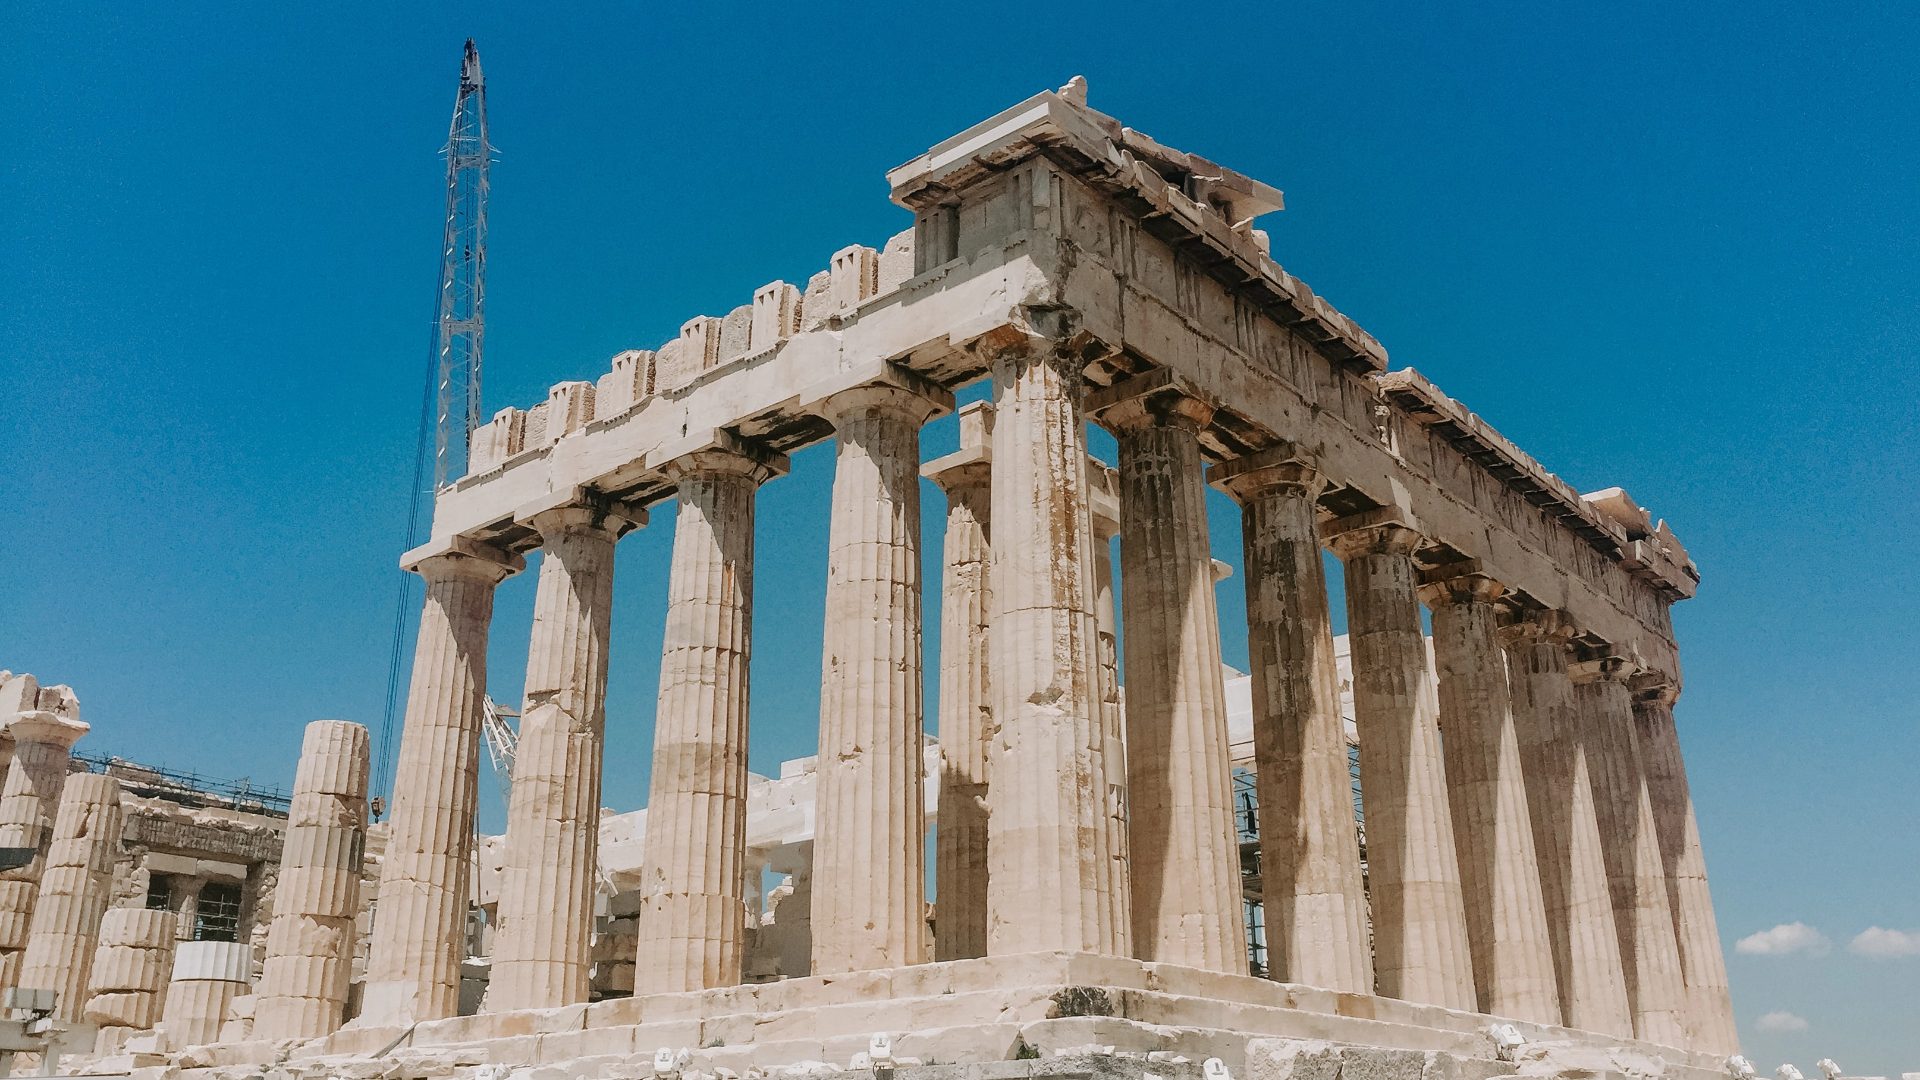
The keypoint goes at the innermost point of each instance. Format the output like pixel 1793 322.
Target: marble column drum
pixel 1710 1011
pixel 74 891
pixel 1636 878
pixel 965 710
pixel 30 799
pixel 1499 872
pixel 1052 862
pixel 1566 830
pixel 1185 855
pixel 1413 871
pixel 127 983
pixel 311 939
pixel 1315 898
pixel 419 928
pixel 542 943
pixel 692 924
pixel 869 848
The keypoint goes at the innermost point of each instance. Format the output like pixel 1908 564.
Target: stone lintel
pixel 463 546
pixel 1282 464
pixel 976 425
pixel 966 465
pixel 976 447
pixel 875 373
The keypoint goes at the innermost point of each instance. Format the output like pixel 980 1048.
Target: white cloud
pixel 1780 1020
pixel 1784 939
pixel 1878 941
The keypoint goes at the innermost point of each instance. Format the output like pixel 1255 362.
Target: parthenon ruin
pixel 1530 853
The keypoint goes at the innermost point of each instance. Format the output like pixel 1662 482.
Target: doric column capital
pixel 1279 469
pixel 585 512
pixel 460 557
pixel 717 452
pixel 1593 669
pixel 1654 688
pixel 1536 626
pixel 46 727
pixel 879 388
pixel 1463 589
pixel 1157 399
pixel 1460 582
pixel 965 470
pixel 1379 531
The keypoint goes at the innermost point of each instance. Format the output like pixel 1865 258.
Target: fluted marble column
pixel 74 892
pixel 1420 950
pixel 869 849
pixel 1499 872
pixel 542 946
pixel 692 923
pixel 310 942
pixel 1103 511
pixel 1052 863
pixel 1636 879
pixel 419 926
pixel 1566 830
pixel 30 799
pixel 1184 852
pixel 1710 1011
pixel 1316 904
pixel 966 711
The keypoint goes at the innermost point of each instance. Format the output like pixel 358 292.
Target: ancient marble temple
pixel 1531 852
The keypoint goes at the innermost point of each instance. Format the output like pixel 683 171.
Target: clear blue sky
pixel 1667 247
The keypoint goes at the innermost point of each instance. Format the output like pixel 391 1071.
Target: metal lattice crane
pixel 463 276
pixel 451 408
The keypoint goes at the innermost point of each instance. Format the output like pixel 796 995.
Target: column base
pixel 1042 1006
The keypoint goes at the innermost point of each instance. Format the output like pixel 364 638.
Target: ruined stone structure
pixel 41 726
pixel 1531 853
pixel 1530 849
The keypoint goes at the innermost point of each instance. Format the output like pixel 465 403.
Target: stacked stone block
pixel 310 943
pixel 132 965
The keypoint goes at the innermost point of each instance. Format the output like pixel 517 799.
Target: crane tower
pixel 451 409
pixel 463 276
